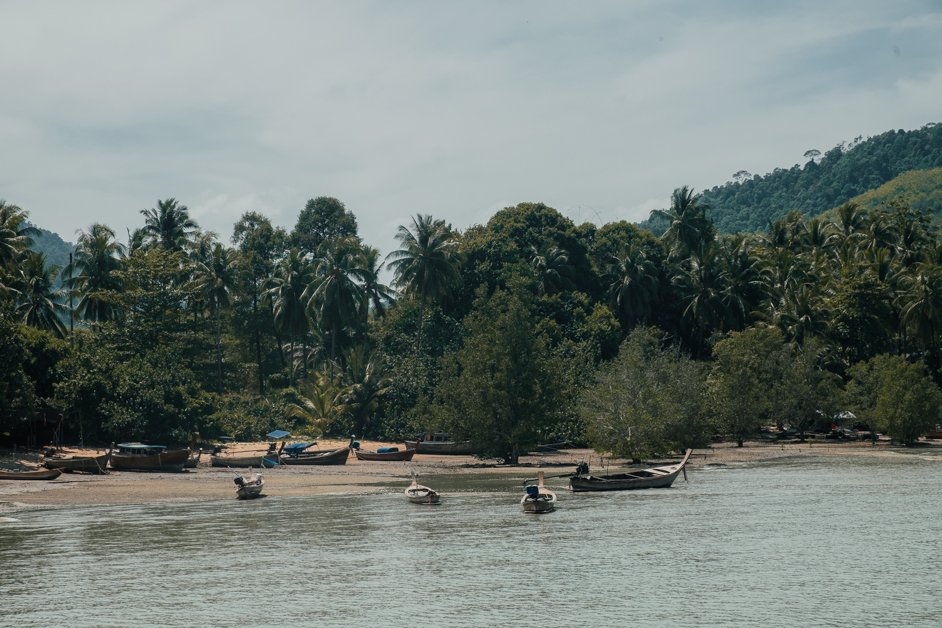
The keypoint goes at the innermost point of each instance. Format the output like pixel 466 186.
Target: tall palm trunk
pixel 218 351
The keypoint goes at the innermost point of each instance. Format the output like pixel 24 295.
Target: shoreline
pixel 206 483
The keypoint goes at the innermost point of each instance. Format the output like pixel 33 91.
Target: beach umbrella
pixel 276 434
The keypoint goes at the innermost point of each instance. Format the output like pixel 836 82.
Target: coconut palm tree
pixel 366 386
pixel 426 265
pixel 15 238
pixel 690 230
pixel 168 225
pixel 921 304
pixel 214 280
pixel 333 291
pixel 292 276
pixel 94 272
pixel 40 302
pixel 552 268
pixel 319 402
pixel 376 294
pixel 632 285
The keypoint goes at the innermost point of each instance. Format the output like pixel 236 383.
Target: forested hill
pixel 824 182
pixel 920 190
pixel 54 247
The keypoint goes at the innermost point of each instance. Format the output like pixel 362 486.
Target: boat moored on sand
pixel 141 457
pixel 40 474
pixel 249 489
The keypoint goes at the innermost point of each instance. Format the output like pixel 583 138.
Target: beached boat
pixel 653 477
pixel 141 457
pixel 41 474
pixel 84 464
pixel 418 494
pixel 385 454
pixel 440 443
pixel 335 456
pixel 194 460
pixel 267 461
pixel 538 499
pixel 249 489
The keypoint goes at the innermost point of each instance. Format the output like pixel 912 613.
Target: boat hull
pixel 249 491
pixel 167 461
pixel 44 474
pixel 390 456
pixel 337 456
pixel 244 462
pixel 446 448
pixel 84 464
pixel 654 477
pixel 418 494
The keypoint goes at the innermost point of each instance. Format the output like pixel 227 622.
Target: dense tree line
pixel 751 203
pixel 526 329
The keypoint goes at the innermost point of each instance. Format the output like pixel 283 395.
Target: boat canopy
pixel 295 448
pixel 140 447
pixel 278 434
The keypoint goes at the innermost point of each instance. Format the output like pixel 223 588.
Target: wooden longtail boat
pixel 440 444
pixel 418 494
pixel 249 489
pixel 41 474
pixel 538 499
pixel 395 454
pixel 336 456
pixel 140 457
pixel 653 477
pixel 266 461
pixel 85 464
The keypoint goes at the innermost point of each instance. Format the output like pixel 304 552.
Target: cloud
pixel 454 110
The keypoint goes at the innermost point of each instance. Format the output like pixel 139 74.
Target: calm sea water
pixel 835 542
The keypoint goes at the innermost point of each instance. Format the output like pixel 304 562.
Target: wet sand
pixel 209 483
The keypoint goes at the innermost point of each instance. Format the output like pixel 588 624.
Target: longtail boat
pixel 418 494
pixel 653 477
pixel 249 489
pixel 266 461
pixel 41 474
pixel 538 499
pixel 335 456
pixel 385 454
pixel 85 464
pixel 440 443
pixel 141 457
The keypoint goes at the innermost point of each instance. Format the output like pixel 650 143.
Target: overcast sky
pixel 598 109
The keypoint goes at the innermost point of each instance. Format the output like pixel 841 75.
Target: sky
pixel 599 109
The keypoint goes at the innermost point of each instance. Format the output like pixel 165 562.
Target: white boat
pixel 418 494
pixel 538 499
pixel 249 489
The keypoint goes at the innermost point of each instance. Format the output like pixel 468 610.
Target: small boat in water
pixel 440 443
pixel 249 489
pixel 654 477
pixel 418 494
pixel 538 499
pixel 41 474
pixel 141 457
pixel 84 464
pixel 385 454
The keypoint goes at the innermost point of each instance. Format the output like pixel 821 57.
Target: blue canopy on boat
pixel 294 448
pixel 278 434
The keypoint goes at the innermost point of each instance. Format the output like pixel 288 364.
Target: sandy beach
pixel 209 483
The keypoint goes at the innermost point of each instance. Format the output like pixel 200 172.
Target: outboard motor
pixel 239 480
pixel 533 491
pixel 582 469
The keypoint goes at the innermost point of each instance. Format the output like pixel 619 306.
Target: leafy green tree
pixel 292 277
pixel 98 256
pixel 502 389
pixel 15 238
pixel 895 396
pixel 690 230
pixel 214 280
pixel 168 225
pixel 367 384
pixel 319 403
pixel 333 291
pixel 633 285
pixel 650 400
pixel 17 396
pixel 921 306
pixel 323 219
pixel 552 270
pixel 426 265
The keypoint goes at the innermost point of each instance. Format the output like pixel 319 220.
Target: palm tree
pixel 745 282
pixel 168 225
pixel 632 285
pixel 426 265
pixel 40 303
pixel 921 304
pixel 292 276
pixel 320 402
pixel 377 294
pixel 15 238
pixel 333 291
pixel 367 385
pixel 93 272
pixel 690 230
pixel 700 284
pixel 552 268
pixel 214 280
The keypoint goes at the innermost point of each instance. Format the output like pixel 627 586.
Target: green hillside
pixel 920 190
pixel 826 180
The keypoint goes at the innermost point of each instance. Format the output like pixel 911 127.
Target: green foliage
pixel 323 219
pixel 502 389
pixel 895 396
pixel 249 418
pixel 17 394
pixel 650 400
pixel 920 190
